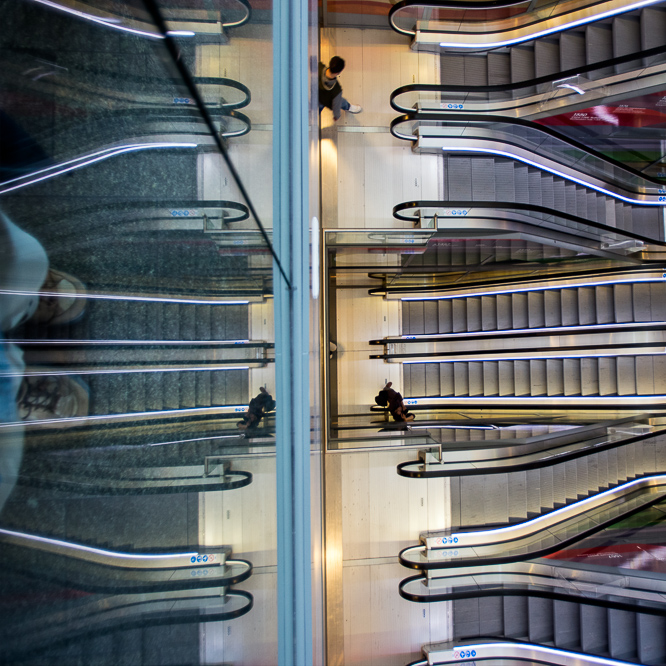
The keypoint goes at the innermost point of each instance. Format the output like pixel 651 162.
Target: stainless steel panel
pixel 621 634
pixel 519 312
pixel 589 376
pixel 504 310
pixel 417 383
pixel 489 313
pixel 587 313
pixel 569 299
pixel 644 375
pixel 559 485
pixel 659 365
pixel 535 308
pixel 552 306
pixel 506 376
pixel 461 377
pixel 490 378
pixel 445 316
pixel 473 314
pixel 538 377
pixel 416 317
pixel 603 298
pixel 658 301
pixel 521 377
pixel 594 629
pixel 641 298
pixel 626 375
pixel 607 376
pixel 432 386
pixel 540 614
pixel 566 624
pixel 459 315
pixel 622 301
pixel 572 376
pixel 430 317
pixel 446 378
pixel 571 481
pixel 572 50
pixel 475 378
pixel 554 376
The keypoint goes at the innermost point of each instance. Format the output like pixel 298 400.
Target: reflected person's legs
pixel 23 268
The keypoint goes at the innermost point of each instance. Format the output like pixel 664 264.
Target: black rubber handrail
pixel 517 85
pixel 508 205
pixel 520 467
pixel 463 5
pixel 505 281
pixel 470 5
pixel 523 333
pixel 636 607
pixel 463 118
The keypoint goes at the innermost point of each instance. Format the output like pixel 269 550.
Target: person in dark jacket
pixel 330 90
pixel 259 406
pixel 390 398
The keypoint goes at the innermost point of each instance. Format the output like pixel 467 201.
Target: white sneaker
pixel 355 108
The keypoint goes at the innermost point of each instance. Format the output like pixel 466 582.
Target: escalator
pixel 603 596
pixel 120 458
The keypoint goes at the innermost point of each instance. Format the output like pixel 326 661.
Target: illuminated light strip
pixel 119 371
pixel 112 297
pixel 99 551
pixel 550 31
pixel 564 399
pixel 530 289
pixel 531 647
pixel 181 33
pixel 453 427
pixel 126 342
pixel 196 439
pixel 512 331
pixel 556 357
pixel 108 23
pixel 575 509
pixel 87 160
pixel 220 409
pixel 576 89
pixel 598 188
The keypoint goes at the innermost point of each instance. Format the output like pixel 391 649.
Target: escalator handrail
pixel 522 122
pixel 517 85
pixel 470 5
pixel 508 205
pixel 136 560
pixel 505 559
pixel 639 606
pixel 465 5
pixel 520 467
pixel 507 281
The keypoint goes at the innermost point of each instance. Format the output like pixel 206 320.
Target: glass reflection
pixel 136 315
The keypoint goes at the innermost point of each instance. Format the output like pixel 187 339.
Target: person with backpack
pixel 390 398
pixel 260 405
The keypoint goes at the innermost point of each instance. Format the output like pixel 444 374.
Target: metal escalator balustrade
pixel 565 234
pixel 497 652
pixel 196 25
pixel 592 586
pixel 536 537
pixel 559 157
pixel 567 90
pixel 537 452
pixel 431 28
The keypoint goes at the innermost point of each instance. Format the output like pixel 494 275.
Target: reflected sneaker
pixel 62 299
pixel 355 108
pixel 52 397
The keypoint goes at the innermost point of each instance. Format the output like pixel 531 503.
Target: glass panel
pixel 137 446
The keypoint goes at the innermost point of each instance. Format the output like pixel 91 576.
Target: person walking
pixel 330 90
